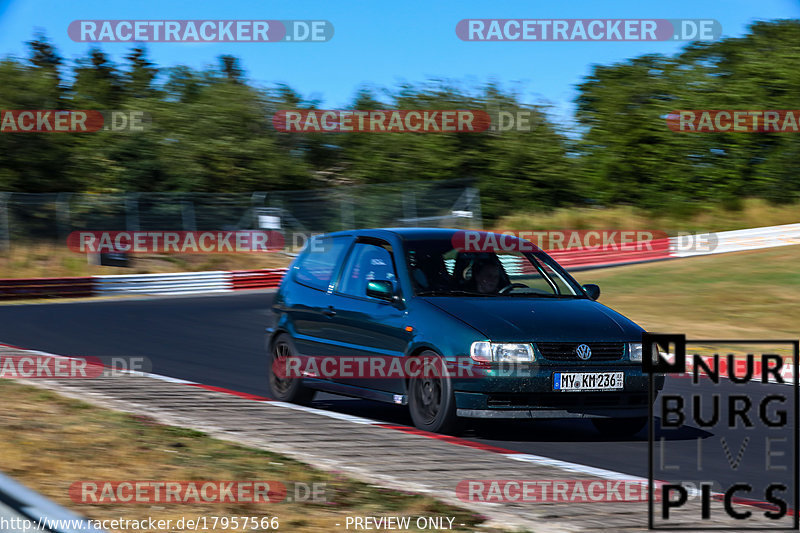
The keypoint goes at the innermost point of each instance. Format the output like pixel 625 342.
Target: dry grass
pixel 736 295
pixel 48 442
pixel 46 260
pixel 752 213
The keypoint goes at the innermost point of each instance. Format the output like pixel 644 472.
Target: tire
pixel 285 389
pixel 431 401
pixel 620 427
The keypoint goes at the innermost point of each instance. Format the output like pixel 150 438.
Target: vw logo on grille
pixel 583 351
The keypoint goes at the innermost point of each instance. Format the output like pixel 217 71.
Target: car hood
pixel 544 319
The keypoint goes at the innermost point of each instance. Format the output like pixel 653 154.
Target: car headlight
pixel 635 349
pixel 488 352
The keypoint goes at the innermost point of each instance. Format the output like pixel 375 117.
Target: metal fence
pixel 26 217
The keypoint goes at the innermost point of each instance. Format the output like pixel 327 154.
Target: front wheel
pixel 282 387
pixel 431 401
pixel 620 427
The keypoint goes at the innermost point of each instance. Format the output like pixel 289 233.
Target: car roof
pixel 404 233
pixel 421 233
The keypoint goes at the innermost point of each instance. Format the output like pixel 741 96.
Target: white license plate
pixel 588 381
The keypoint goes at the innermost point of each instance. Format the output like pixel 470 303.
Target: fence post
pixel 348 216
pixel 132 212
pixel 5 230
pixel 62 215
pixel 474 203
pixel 187 215
pixel 409 205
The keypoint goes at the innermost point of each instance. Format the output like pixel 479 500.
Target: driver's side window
pixel 367 262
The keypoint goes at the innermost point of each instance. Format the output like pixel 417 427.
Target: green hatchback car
pixel 422 317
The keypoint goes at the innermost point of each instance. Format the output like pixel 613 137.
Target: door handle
pixel 330 312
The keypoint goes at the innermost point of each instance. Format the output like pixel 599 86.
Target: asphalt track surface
pixel 219 340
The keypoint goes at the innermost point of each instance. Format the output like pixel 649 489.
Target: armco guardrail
pixel 742 240
pixel 177 283
pixel 45 287
pixel 173 283
pixel 223 281
pixel 578 259
pixel 257 279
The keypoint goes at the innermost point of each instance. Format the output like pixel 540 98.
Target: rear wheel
pixel 431 401
pixel 620 427
pixel 282 387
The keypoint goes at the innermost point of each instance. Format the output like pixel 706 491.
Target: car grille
pixel 565 351
pixel 561 400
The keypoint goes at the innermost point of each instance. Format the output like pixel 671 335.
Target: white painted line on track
pixel 573 467
pixel 329 414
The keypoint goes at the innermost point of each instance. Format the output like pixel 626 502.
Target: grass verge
pixel 49 442
pixel 749 213
pixel 735 295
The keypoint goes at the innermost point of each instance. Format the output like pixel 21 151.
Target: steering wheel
pixel 510 287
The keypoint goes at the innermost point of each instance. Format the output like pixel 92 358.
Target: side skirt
pixel 356 392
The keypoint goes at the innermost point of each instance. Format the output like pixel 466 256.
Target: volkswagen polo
pixel 516 335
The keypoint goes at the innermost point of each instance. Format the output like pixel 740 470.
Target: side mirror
pixel 592 290
pixel 381 289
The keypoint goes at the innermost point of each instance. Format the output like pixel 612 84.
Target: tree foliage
pixel 212 131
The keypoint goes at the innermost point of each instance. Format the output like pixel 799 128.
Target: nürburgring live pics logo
pixel 740 407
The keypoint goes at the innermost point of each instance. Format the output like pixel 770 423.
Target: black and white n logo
pixel 663 353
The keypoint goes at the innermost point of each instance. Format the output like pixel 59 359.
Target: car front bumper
pixel 532 396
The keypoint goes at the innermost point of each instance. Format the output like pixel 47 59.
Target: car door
pixel 309 303
pixel 366 326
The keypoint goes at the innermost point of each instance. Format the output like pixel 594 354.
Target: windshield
pixel 437 268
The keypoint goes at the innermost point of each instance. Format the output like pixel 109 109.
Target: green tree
pixel 139 78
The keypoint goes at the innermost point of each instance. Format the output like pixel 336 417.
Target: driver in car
pixel 487 276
